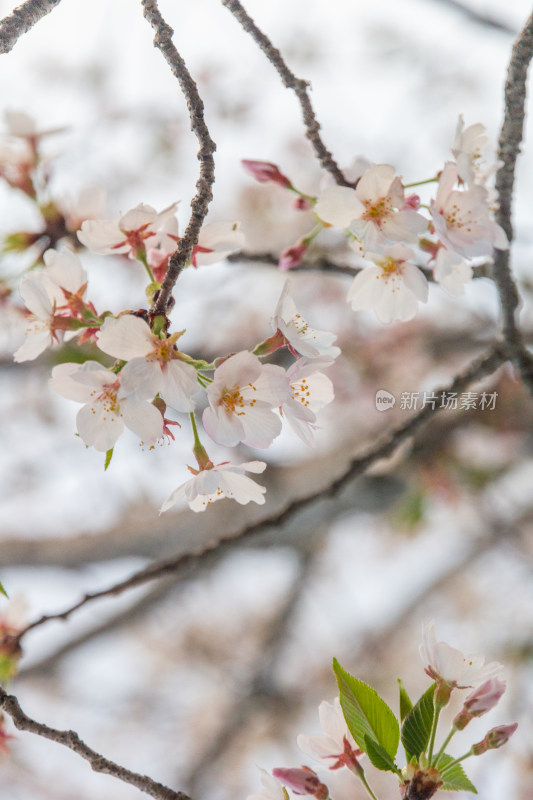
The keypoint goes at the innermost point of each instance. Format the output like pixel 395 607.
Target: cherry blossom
pixel 108 406
pixel 468 151
pixel 495 738
pixel 241 398
pixel 392 287
pixel 462 218
pixel 449 666
pixel 336 743
pixel 311 390
pixel 374 211
pixel 300 337
pixel 154 365
pixel 50 295
pixel 451 271
pixel 130 233
pixel 217 240
pixel 216 482
pixel 272 789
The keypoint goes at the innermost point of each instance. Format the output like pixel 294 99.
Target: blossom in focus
pixel 300 337
pixel 462 219
pixel 452 271
pixel 481 700
pixel 154 365
pixel 272 789
pixel 392 287
pixel 302 781
pixel 219 481
pixel 131 233
pixel 336 744
pixel 242 397
pixel 311 391
pixel 217 240
pixel 450 667
pixel 374 211
pixel 108 406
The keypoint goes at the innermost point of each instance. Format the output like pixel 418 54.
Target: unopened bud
pixel 266 172
pixel 483 699
pixel 495 738
pixel 292 256
pixel 412 201
pixel 302 781
pixel 301 204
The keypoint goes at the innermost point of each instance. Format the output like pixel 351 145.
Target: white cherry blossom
pixel 462 218
pixel 451 271
pixel 43 295
pixel 311 390
pixel 131 233
pixel 468 150
pixel 447 665
pixel 154 365
pixel 374 211
pixel 300 337
pixel 392 287
pixel 108 406
pixel 216 241
pixel 335 747
pixel 222 480
pixel 241 398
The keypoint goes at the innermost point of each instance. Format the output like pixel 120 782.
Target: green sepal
pixel 108 457
pixel 455 779
pixel 405 701
pixel 367 715
pixel 416 728
pixel 3 591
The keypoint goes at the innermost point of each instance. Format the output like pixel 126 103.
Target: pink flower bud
pixel 266 172
pixel 292 256
pixel 495 738
pixel 302 781
pixel 301 204
pixel 479 702
pixel 412 201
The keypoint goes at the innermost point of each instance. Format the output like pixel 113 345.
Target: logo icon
pixel 384 400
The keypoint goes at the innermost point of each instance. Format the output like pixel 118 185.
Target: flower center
pixel 108 398
pixel 378 210
pixel 390 268
pixel 300 391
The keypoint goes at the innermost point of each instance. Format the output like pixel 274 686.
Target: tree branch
pixel 204 194
pixel 98 763
pixel 475 16
pixel 21 20
pixel 290 81
pixel 480 368
pixel 509 147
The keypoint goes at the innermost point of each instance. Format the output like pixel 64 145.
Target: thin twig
pixel 204 193
pixel 511 136
pixel 482 18
pixel 383 449
pixel 98 762
pixel 290 81
pixel 21 20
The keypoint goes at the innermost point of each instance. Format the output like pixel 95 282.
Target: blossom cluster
pixel 400 241
pixel 359 727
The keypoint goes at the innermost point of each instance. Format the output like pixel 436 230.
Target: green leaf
pixel 416 728
pixel 3 591
pixel 379 756
pixel 455 778
pixel 405 701
pixel 366 714
pixel 108 457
